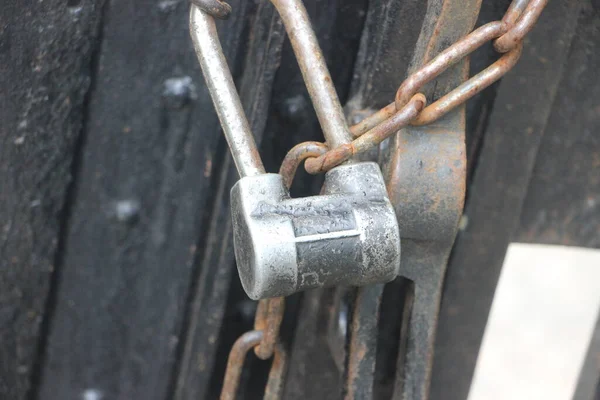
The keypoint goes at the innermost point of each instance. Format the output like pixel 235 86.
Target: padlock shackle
pixel 314 70
pixel 223 92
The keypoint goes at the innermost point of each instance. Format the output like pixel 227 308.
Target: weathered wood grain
pixel 46 53
pixel 140 206
pixel 563 199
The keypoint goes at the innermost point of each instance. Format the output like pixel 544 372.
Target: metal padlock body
pixel 348 235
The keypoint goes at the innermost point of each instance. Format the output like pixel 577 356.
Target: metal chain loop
pixel 235 363
pixel 268 320
pixel 409 105
pixel 371 138
pixel 264 339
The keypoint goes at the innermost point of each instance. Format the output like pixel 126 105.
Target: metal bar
pixel 314 70
pixel 425 177
pixel 215 8
pixel 224 95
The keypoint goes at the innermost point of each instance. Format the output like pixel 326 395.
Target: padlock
pixel 348 235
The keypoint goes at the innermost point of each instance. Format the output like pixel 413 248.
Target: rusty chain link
pixel 264 339
pixel 409 108
pixel 409 105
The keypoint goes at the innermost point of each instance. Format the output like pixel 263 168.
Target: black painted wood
pixel 495 197
pixel 140 207
pixel 388 42
pixel 563 200
pixel 46 53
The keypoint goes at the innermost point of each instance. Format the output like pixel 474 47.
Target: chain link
pixel 409 105
pixel 264 339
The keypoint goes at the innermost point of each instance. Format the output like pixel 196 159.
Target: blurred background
pixel 541 328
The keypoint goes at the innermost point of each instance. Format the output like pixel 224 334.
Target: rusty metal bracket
pixel 426 175
pixel 424 165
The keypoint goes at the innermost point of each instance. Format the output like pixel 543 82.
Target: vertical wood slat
pixel 139 210
pixel 563 201
pixel 46 56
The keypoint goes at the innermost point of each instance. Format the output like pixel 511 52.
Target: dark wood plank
pixel 140 207
pixel 388 44
pixel 495 197
pixel 563 202
pixel 46 52
pixel 313 373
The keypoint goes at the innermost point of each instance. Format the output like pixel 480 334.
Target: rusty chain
pixel 408 108
pixel 264 339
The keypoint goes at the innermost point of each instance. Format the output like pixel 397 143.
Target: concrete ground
pixel 541 323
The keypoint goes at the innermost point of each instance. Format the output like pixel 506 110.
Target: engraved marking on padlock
pixel 325 236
